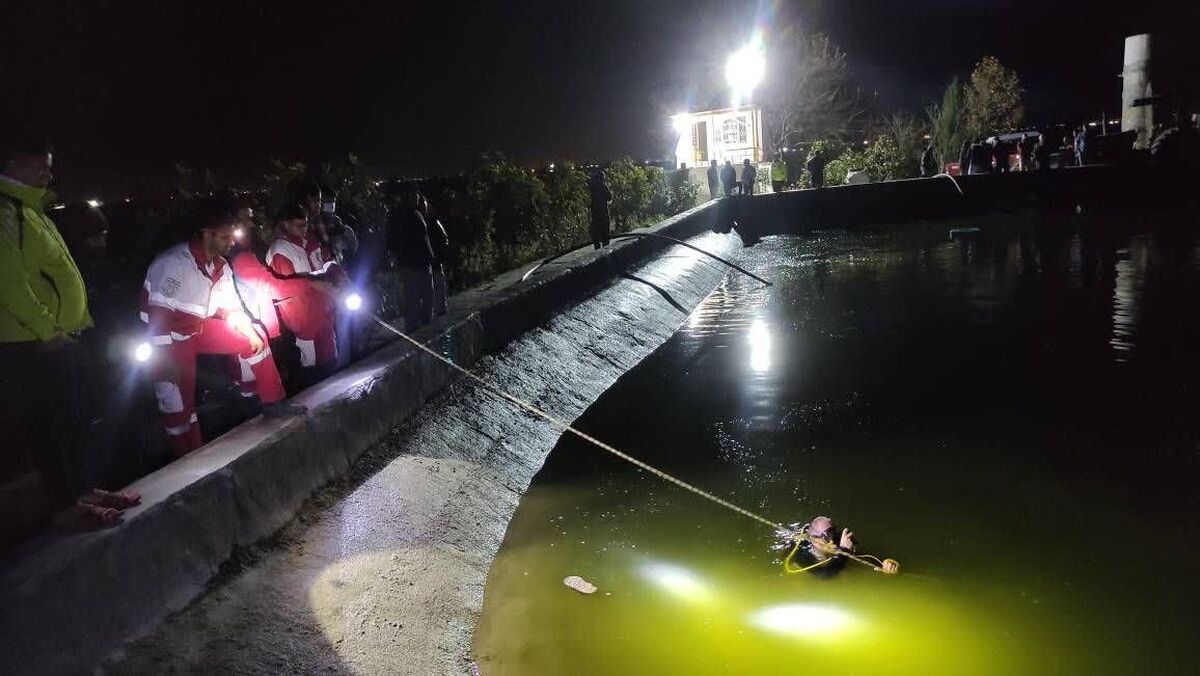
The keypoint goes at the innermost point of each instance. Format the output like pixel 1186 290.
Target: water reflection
pixel 805 620
pixel 1127 291
pixel 760 346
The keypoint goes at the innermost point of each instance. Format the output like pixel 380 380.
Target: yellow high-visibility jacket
pixel 41 291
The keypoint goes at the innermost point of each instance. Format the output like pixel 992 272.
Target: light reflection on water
pixel 974 408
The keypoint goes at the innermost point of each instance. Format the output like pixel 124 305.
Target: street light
pixel 745 69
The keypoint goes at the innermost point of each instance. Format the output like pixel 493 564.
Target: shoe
pixel 282 409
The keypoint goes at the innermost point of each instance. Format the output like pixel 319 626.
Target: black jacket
pixel 408 238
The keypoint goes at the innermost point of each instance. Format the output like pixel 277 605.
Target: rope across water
pixel 566 427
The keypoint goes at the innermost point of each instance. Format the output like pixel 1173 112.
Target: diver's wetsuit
pixel 804 557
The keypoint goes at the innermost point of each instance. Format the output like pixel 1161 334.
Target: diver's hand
pixel 847 542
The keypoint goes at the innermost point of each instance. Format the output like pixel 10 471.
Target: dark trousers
pixel 714 190
pixel 418 296
pixel 599 231
pixel 48 410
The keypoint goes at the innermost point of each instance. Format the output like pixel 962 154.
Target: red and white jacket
pixel 306 311
pixel 182 290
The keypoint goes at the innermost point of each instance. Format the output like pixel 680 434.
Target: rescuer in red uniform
pixel 307 307
pixel 191 307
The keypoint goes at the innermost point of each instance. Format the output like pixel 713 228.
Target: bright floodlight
pixel 354 302
pixel 682 123
pixel 142 352
pixel 744 70
pixel 238 233
pixel 95 204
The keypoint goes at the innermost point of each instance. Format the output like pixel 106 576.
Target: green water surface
pixel 1010 414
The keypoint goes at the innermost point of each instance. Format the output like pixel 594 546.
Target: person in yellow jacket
pixel 47 398
pixel 779 172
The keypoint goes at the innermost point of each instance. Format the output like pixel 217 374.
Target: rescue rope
pixel 566 427
pixel 832 551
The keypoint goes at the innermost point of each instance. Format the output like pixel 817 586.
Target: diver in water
pixel 817 548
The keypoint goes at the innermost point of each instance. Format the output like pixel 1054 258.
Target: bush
pixel 632 194
pixel 682 194
pixel 882 160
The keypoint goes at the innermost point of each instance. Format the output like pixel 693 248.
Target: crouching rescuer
pixel 191 307
pixel 308 281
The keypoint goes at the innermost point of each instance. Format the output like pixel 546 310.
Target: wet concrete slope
pixel 384 572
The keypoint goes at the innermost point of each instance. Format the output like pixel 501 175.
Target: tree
pixel 993 98
pixel 908 133
pixel 947 122
pixel 809 94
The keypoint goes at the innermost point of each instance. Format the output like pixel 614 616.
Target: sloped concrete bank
pixel 438 507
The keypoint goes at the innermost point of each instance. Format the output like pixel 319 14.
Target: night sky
pixel 130 88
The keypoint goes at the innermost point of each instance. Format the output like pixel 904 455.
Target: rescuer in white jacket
pixel 191 307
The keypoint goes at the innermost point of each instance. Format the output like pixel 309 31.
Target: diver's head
pixel 822 531
pixel 822 528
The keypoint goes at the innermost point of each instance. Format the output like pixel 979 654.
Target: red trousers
pixel 175 378
pixel 321 349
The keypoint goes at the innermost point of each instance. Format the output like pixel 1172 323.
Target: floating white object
pixel 579 584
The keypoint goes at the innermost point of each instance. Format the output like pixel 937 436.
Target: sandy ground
pixel 383 572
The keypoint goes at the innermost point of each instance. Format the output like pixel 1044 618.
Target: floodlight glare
pixel 354 302
pixel 745 69
pixel 682 123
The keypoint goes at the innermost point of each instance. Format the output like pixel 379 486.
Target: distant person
pixel 714 180
pixel 999 156
pixel 816 168
pixel 779 172
pixel 749 175
pixel 1025 153
pixel 728 178
pixel 1082 147
pixel 191 307
pixel 964 158
pixel 439 241
pixel 598 198
pixel 408 240
pixel 48 398
pixel 1041 153
pixel 320 206
pixel 1068 146
pixel 929 163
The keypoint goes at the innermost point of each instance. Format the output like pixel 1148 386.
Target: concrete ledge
pixel 68 600
pixel 873 204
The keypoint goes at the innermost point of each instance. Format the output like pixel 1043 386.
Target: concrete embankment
pixel 419 531
pixel 1138 187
